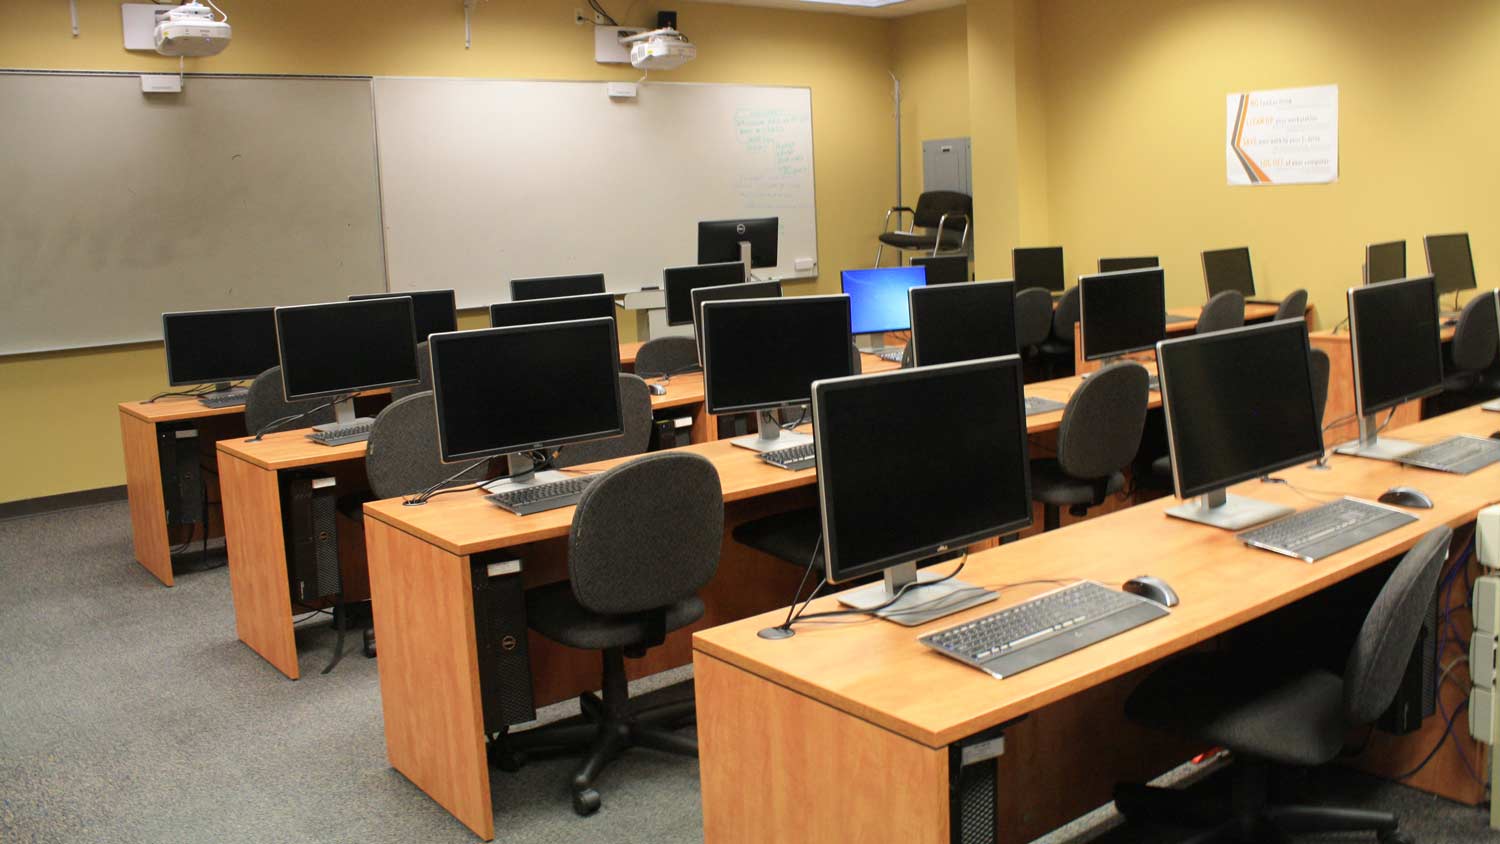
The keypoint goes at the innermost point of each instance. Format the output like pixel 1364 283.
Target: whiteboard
pixel 483 181
pixel 118 206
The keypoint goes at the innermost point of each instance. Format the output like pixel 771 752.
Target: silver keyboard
pixel 352 432
pixel 1326 530
pixel 794 458
pixel 1037 404
pixel 1459 455
pixel 537 498
pixel 225 398
pixel 892 355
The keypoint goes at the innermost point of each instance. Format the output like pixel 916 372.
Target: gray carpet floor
pixel 130 713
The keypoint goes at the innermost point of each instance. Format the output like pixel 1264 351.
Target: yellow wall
pixel 68 438
pixel 1135 128
pixel 929 53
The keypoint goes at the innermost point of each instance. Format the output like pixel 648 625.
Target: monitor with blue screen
pixel 877 298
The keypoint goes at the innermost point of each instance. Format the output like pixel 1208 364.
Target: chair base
pixel 1246 813
pixel 608 728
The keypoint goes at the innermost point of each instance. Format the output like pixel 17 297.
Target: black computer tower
pixel 500 634
pixel 181 473
pixel 973 816
pixel 1416 698
pixel 309 510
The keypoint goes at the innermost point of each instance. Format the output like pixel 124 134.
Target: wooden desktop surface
pixel 176 409
pixel 878 671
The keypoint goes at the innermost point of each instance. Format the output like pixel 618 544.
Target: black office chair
pixel 1224 310
pixel 1100 434
pixel 635 406
pixel 266 403
pixel 1293 306
pixel 1057 349
pixel 645 539
pixel 1472 350
pixel 1033 311
pixel 940 212
pixel 424 375
pixel 666 356
pixel 1282 715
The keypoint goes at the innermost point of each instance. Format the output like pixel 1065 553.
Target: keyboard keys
pixel 1459 455
pixel 1322 531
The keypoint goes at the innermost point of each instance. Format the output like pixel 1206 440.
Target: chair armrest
pixel 886 226
pixel 942 221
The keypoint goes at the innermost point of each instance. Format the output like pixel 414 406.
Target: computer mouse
pixel 657 389
pixel 1152 589
pixel 1405 496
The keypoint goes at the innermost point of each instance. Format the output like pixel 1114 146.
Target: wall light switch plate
pixel 607 46
pixel 804 264
pixel 161 83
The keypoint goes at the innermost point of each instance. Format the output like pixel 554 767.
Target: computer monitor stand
pixel 343 416
pixel 769 435
pixel 1230 512
pixel 521 473
pixel 745 258
pixel 1371 445
pixel 920 604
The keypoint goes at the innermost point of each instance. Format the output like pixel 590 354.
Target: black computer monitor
pixel 434 311
pixel 552 287
pixel 944 269
pixel 748 290
pixel 525 388
pixel 869 429
pixel 219 347
pixel 1114 265
pixel 1385 261
pixel 1450 262
pixel 1228 269
pixel 1038 266
pixel 1397 349
pixel 763 354
pixel 877 297
pixel 679 283
pixel 723 241
pixel 560 309
pixel 1238 405
pixel 1121 312
pixel 952 323
pixel 339 348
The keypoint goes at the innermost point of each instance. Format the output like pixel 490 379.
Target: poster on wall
pixel 1284 137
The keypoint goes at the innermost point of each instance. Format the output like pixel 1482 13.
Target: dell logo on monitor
pixel 739 228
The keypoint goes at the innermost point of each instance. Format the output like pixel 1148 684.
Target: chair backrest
pixel 1103 421
pixel 635 406
pixel 932 205
pixel 424 375
pixel 664 355
pixel 647 533
pixel 1065 315
pixel 1033 317
pixel 1386 639
pixel 267 402
pixel 1318 359
pixel 1225 309
pixel 1476 337
pixel 1293 306
pixel 402 456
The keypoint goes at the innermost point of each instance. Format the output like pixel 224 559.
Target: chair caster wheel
pixel 1395 837
pixel 369 644
pixel 507 760
pixel 586 802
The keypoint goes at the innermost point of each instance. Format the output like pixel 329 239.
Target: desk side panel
pixel 778 766
pixel 429 677
pixel 257 561
pixel 148 513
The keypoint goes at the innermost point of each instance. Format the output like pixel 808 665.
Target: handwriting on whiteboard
pixel 778 141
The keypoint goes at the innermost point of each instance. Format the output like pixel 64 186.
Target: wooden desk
pixel 419 564
pixel 140 424
pixel 779 720
pixel 1341 387
pixel 1253 313
pixel 628 351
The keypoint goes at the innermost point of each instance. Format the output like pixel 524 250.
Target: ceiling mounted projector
pixel 660 49
pixel 190 30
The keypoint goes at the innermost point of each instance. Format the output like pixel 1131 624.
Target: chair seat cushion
pixel 1161 468
pixel 1290 718
pixel 1052 346
pixel 554 612
pixel 1051 485
pixel 916 240
pixel 789 536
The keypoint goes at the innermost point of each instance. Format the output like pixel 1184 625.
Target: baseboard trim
pixel 56 503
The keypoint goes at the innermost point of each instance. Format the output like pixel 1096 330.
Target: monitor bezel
pixel 709 403
pixel 1360 408
pixel 1062 267
pixel 527 281
pixel 844 290
pixel 614 306
pixel 1083 331
pixel 1404 258
pixel 174 381
pixel 1219 337
pixel 281 349
pixel 1469 244
pixel 438 340
pixel 911 308
pixel 1208 287
pixel 698 304
pixel 767 228
pixel 831 569
pixel 452 297
pixel 667 277
pixel 925 261
pixel 1155 259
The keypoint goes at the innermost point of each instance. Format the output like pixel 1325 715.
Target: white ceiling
pixel 893 10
